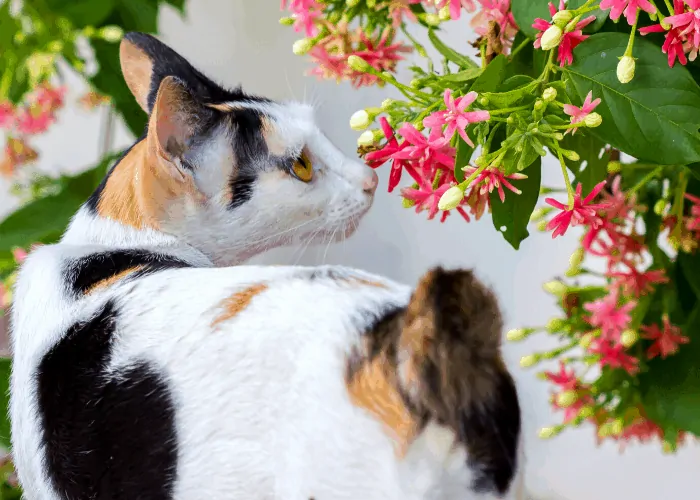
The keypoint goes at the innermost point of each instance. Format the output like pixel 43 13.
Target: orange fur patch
pixel 112 279
pixel 373 389
pixel 238 302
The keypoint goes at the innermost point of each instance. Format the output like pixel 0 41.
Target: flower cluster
pixel 470 136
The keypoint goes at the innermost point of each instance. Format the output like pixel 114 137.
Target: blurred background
pixel 242 42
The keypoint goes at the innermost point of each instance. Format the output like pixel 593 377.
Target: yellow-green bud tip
pixel 111 33
pixel 593 120
pixel 629 337
pixel 549 94
pixel 360 120
pixel 302 46
pixel 366 138
pixel 451 198
pixel 562 17
pixel 555 288
pixel 555 325
pixel 529 360
pixel 548 432
pixel 566 398
pixel 517 334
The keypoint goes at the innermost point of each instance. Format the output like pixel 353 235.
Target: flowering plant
pixel 610 90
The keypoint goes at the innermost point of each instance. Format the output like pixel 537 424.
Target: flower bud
pixel 660 207
pixel 518 334
pixel 555 325
pixel 432 19
pixel 562 17
pixel 625 69
pixel 444 13
pixel 593 120
pixel 387 104
pixel 571 155
pixel 555 288
pixel 629 337
pixel 577 257
pixel 302 46
pixel 668 447
pixel 351 3
pixel 451 198
pixel 549 432
pixel 371 3
pixel 360 120
pixel 416 83
pixel 89 31
pixel 585 412
pixel 484 101
pixel 530 360
pixel 551 37
pixel 358 64
pixel 542 226
pixel 366 138
pixel 566 398
pixel 538 214
pixel 539 105
pixel 287 21
pixel 559 136
pixel 549 94
pixel 111 33
pixel 614 167
pixel 587 340
pixel 406 203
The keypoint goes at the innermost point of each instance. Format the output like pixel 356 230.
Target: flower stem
pixel 547 68
pixel 519 48
pixel 669 6
pixel 645 180
pixel 507 110
pixel 419 48
pixel 678 203
pixel 630 43
pixel 567 181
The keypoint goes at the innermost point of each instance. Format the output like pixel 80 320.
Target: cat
pixel 149 364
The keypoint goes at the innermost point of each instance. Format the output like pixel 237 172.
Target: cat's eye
pixel 302 168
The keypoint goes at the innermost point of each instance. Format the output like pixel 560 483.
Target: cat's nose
pixel 369 184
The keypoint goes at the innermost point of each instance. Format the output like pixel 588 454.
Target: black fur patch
pixel 167 62
pixel 491 435
pixel 84 273
pixel 105 437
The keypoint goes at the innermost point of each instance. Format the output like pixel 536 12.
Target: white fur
pixel 262 409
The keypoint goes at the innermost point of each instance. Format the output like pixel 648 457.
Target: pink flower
pixel 636 283
pixel 425 197
pixel 606 315
pixel 666 341
pixel 455 116
pixel 688 26
pixel 34 120
pixel 377 158
pixel 48 97
pixel 674 46
pixel 569 40
pixel 493 178
pixel 478 202
pixel 305 14
pixel 568 381
pixel 578 115
pixel 582 211
pixel 498 11
pixel 619 205
pixel 7 115
pixel 629 7
pixel 456 6
pixel 614 356
pixel 19 254
pixel 398 9
pixel 433 150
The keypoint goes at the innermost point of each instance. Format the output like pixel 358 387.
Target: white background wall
pixel 241 42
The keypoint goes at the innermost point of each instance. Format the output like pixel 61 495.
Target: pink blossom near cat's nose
pixel 370 182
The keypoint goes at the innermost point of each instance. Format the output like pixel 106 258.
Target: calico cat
pixel 148 365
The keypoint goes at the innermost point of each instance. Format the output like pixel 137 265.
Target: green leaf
pixel 600 15
pixel 463 156
pixel 655 116
pixel 463 76
pixel 82 13
pixel 526 11
pixel 592 167
pixel 510 97
pixel 671 387
pixel 492 76
pixel 514 213
pixel 45 219
pixel 450 54
pixel 178 4
pixel 4 403
pixel 690 265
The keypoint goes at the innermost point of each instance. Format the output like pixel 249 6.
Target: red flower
pixel 674 44
pixel 392 146
pixel 582 211
pixel 7 115
pixel 606 315
pixel 636 283
pixel 666 341
pixel 492 178
pixel 629 7
pixel 569 39
pixel 614 355
pixel 433 150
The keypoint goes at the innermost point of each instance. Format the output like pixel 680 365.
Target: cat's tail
pixel 450 369
pixel 438 361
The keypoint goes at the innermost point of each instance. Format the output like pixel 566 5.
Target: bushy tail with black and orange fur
pixel 439 360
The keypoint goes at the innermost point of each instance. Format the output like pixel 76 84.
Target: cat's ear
pixel 146 62
pixel 177 118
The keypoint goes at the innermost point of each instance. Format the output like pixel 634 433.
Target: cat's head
pixel 227 172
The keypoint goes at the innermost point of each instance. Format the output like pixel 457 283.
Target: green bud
pixel 538 213
pixel 577 257
pixel 484 100
pixel 551 37
pixel 629 337
pixel 351 3
pixel 407 203
pixel 559 136
pixel 366 138
pixel 539 104
pixel 566 398
pixel 542 226
pixel 287 21
pixel 444 14
pixel 451 198
pixel 416 83
pixel 586 412
pixel 518 334
pixel 660 207
pixel 593 120
pixel 111 33
pixel 562 17
pixel 549 94
pixel 555 288
pixel 570 155
pixel 89 31
pixel 529 360
pixel 614 167
pixel 587 340
pixel 358 64
pixel 387 104
pixel 555 325
pixel 303 46
pixel 625 69
pixel 360 120
pixel 549 432
pixel 55 46
pixel 432 19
